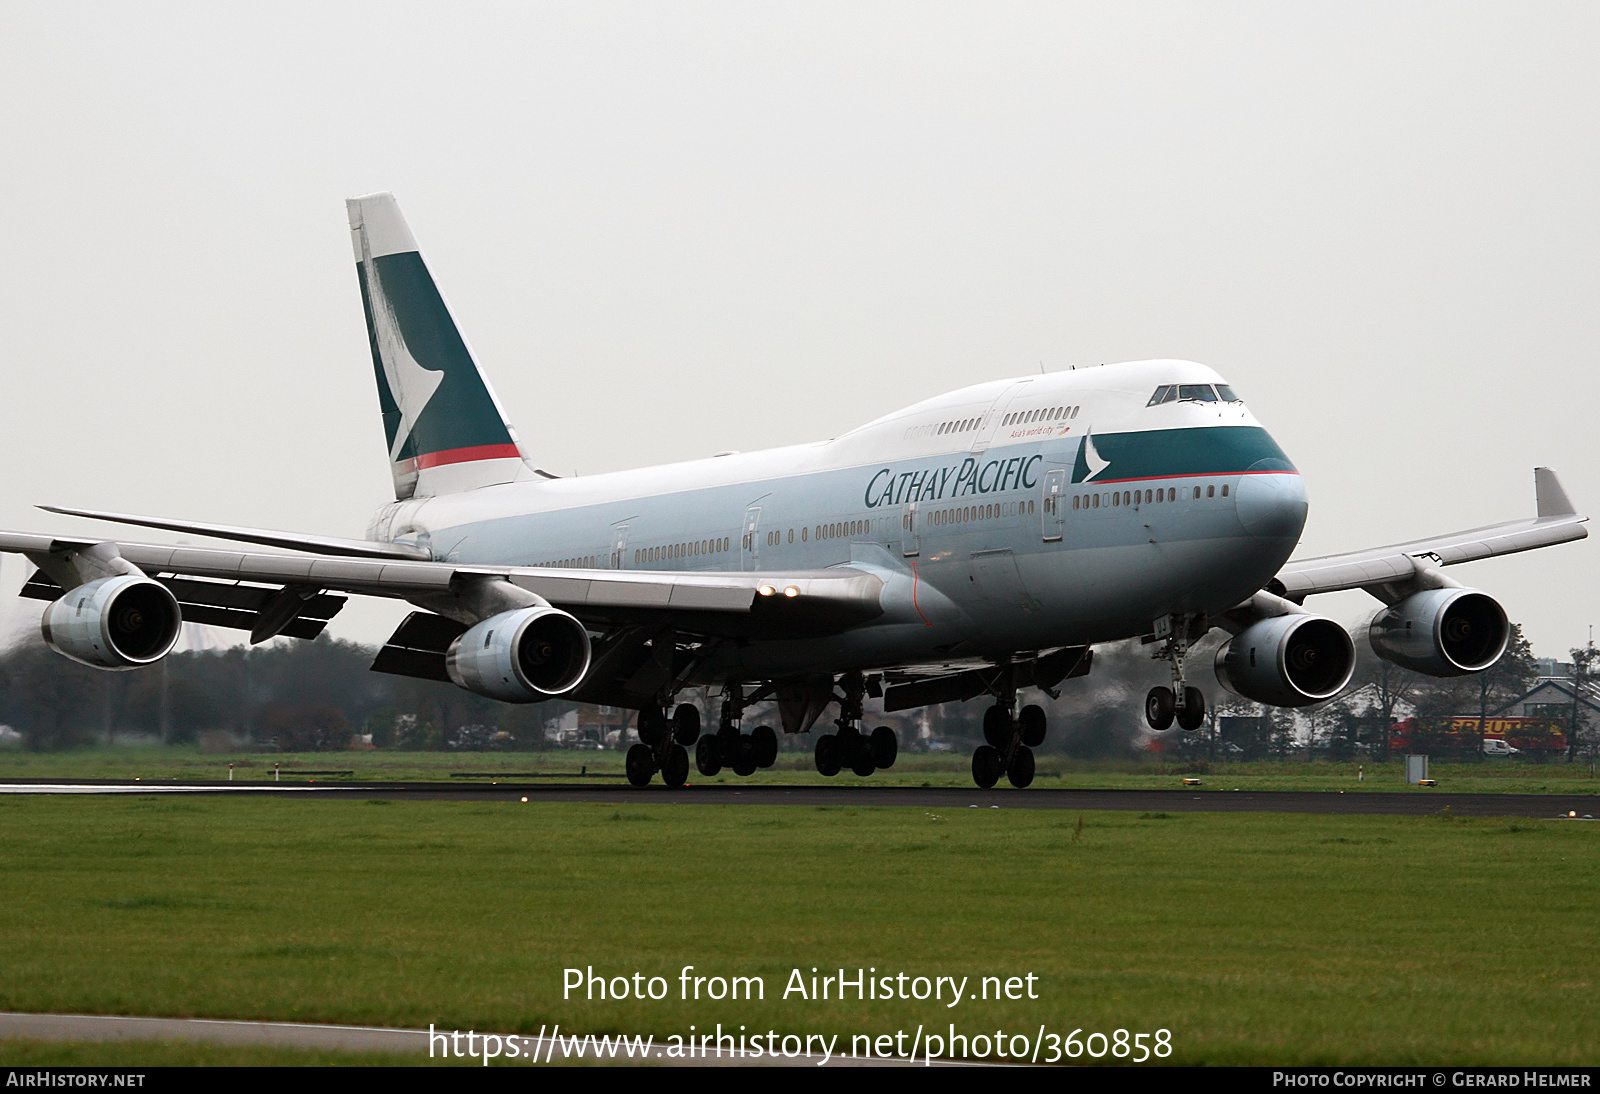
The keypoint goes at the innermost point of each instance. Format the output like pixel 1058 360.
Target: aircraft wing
pixel 1555 521
pixel 731 604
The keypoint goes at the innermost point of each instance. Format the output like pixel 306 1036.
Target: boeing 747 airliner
pixel 976 544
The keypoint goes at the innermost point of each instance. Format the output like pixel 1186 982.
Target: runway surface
pixel 555 1049
pixel 1186 800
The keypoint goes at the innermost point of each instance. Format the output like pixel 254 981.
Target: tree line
pixel 316 695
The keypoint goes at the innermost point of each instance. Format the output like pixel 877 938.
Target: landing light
pixel 766 590
pixel 791 591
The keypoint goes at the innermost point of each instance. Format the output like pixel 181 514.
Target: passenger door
pixel 750 553
pixel 910 535
pixel 1054 519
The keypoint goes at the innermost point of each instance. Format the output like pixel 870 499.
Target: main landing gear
pixel 1010 738
pixel 1011 741
pixel 728 747
pixel 1180 701
pixel 661 745
pixel 862 753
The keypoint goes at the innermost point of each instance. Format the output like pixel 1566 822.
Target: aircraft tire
pixel 744 760
pixel 652 725
pixel 986 766
pixel 686 723
pixel 640 765
pixel 1158 709
pixel 764 746
pixel 1032 722
pixel 1020 773
pixel 1193 714
pixel 827 755
pixel 675 769
pixel 884 747
pixel 707 755
pixel 997 726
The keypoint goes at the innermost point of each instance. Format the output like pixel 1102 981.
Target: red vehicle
pixel 1538 736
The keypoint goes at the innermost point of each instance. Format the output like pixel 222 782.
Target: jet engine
pixel 1442 632
pixel 525 655
pixel 119 622
pixel 1287 660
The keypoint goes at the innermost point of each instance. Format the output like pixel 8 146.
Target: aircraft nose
pixel 1272 504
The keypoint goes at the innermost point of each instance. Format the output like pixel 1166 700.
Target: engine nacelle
pixel 1442 632
pixel 119 622
pixel 1288 661
pixel 525 655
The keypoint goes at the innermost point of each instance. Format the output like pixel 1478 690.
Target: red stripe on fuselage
pixel 468 455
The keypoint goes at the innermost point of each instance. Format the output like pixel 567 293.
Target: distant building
pixel 1552 698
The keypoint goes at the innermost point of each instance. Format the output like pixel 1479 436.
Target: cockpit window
pixel 1166 393
pixel 1199 392
pixel 1227 394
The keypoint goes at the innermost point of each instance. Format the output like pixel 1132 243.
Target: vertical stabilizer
pixel 445 429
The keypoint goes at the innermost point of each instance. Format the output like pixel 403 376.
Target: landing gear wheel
pixel 827 755
pixel 884 747
pixel 1020 773
pixel 675 768
pixel 764 746
pixel 1031 722
pixel 744 760
pixel 708 755
pixel 640 765
pixel 1193 714
pixel 986 766
pixel 686 723
pixel 997 726
pixel 652 725
pixel 1158 708
pixel 855 751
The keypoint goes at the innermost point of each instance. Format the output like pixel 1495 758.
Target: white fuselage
pixel 1015 515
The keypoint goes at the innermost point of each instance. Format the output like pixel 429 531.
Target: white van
pixel 1493 746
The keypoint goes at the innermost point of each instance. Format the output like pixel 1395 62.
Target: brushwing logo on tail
pixel 438 410
pixel 410 385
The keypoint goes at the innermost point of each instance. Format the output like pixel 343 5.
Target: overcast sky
pixel 671 229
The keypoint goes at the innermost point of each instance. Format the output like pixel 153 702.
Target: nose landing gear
pixel 1186 704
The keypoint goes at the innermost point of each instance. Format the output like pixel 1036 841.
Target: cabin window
pixel 1224 490
pixel 1211 491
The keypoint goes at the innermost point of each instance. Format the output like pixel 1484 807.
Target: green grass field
pixel 188 762
pixel 1254 939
